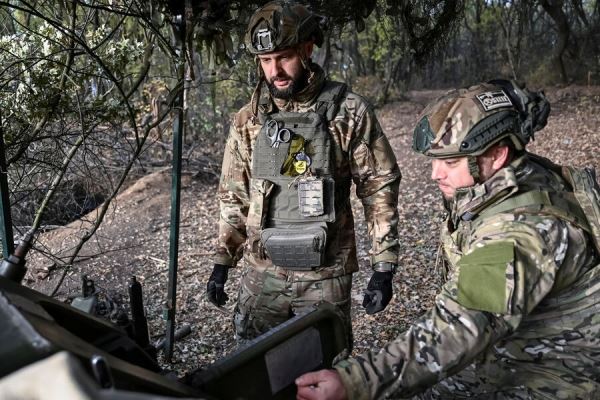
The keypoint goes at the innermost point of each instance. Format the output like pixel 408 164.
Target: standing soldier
pixel 289 161
pixel 518 315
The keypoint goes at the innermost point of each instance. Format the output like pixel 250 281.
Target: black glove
pixel 379 292
pixel 215 288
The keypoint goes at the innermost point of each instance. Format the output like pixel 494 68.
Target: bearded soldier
pixel 518 315
pixel 290 158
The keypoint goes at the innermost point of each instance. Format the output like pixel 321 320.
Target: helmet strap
pixel 257 90
pixel 473 168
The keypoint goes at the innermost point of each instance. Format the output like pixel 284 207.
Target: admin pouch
pixel 301 200
pixel 300 248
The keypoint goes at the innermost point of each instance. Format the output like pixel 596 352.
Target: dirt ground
pixel 134 240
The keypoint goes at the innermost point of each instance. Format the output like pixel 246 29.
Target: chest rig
pixel 293 153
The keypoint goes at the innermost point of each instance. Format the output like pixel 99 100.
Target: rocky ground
pixel 134 240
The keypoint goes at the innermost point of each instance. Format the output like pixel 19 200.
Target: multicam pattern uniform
pixel 270 295
pixel 518 316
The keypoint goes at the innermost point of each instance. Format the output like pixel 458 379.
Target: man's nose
pixel 437 170
pixel 275 68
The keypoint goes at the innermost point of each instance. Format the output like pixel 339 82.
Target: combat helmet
pixel 280 24
pixel 466 122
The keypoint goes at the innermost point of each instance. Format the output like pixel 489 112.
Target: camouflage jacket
pixel 519 308
pixel 362 154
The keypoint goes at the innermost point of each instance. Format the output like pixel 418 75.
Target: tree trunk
pixel 324 56
pixel 391 73
pixel 555 10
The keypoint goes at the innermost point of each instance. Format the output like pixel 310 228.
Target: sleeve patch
pixel 483 276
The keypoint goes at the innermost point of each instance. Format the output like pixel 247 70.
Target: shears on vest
pixel 276 134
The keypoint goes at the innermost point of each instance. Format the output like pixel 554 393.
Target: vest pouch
pixel 300 247
pixel 260 192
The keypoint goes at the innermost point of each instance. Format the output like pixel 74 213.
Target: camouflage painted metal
pixel 518 314
pixel 358 152
pixel 279 25
pixel 468 121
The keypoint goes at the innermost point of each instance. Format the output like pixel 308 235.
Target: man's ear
pixel 307 48
pixel 500 156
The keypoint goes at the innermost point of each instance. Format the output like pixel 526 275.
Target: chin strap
pixel 257 89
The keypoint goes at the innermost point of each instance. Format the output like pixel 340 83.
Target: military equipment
pixel 292 225
pixel 36 326
pixel 279 25
pixel 13 267
pixel 266 367
pixel 466 122
pixel 180 333
pixel 138 314
pixel 88 301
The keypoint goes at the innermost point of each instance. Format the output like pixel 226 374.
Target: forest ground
pixel 134 239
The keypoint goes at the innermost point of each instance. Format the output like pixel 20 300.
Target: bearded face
pixel 284 73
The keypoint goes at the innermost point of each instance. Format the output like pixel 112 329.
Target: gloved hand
pixel 379 292
pixel 215 288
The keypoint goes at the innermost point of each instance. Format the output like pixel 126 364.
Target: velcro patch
pixel 493 100
pixel 483 276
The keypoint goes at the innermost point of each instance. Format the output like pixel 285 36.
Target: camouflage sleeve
pixel 377 178
pixel 500 279
pixel 233 195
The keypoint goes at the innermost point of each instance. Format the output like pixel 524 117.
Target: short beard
pixel 295 87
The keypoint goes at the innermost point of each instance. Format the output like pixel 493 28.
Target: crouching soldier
pixel 518 315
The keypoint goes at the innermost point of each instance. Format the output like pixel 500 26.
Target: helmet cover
pixel 281 24
pixel 469 121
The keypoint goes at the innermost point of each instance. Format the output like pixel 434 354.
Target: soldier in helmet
pixel 517 317
pixel 290 159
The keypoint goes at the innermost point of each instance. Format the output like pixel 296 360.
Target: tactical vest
pixel 292 162
pixel 581 207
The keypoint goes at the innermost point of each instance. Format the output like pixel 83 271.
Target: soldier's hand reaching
pixel 321 385
pixel 379 292
pixel 215 288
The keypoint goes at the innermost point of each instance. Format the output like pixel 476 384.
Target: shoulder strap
pixel 328 102
pixel 563 205
pixel 581 207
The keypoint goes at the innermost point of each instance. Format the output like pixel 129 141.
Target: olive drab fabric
pixel 468 121
pixel 517 317
pixel 358 152
pixel 281 24
pixel 293 152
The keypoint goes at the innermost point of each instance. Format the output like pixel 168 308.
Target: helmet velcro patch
pixel 493 100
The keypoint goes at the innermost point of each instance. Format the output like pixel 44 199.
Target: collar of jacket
pixel 303 100
pixel 469 202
